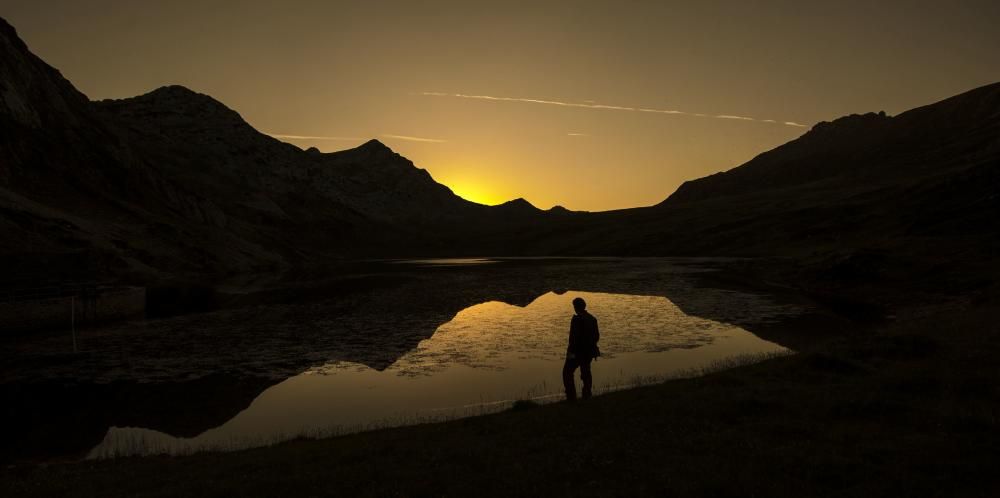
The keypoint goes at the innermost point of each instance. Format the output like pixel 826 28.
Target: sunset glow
pixel 475 192
pixel 495 249
pixel 592 107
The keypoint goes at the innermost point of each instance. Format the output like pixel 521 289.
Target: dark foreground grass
pixel 910 411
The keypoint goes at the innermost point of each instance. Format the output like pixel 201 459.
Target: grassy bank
pixel 908 411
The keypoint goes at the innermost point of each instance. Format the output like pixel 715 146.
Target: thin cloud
pixel 311 137
pixel 577 135
pixel 607 107
pixel 415 139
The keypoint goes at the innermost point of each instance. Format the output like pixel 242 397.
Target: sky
pixel 589 105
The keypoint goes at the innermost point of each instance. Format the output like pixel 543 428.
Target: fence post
pixel 72 319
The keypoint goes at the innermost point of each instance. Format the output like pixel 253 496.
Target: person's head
pixel 579 304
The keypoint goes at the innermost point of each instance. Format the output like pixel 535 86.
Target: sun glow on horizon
pixel 475 192
pixel 667 93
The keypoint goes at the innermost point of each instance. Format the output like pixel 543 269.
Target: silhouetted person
pixel 583 337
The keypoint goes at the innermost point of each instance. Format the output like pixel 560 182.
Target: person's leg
pixel 586 376
pixel 569 368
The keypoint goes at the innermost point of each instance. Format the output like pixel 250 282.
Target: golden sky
pixel 590 105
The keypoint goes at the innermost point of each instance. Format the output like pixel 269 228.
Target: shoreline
pixel 849 385
pixel 849 420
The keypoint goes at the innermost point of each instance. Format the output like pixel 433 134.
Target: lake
pixel 441 339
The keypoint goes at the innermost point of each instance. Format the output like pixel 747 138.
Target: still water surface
pixel 482 360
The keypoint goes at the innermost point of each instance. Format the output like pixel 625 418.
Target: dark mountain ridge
pixel 868 148
pixel 913 198
pixel 175 185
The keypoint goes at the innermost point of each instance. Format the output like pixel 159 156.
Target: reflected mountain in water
pixel 481 360
pixel 494 335
pixel 147 374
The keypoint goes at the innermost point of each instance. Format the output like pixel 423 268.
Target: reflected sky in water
pixel 482 360
pixel 447 261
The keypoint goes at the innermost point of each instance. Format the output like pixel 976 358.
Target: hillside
pixel 922 185
pixel 175 185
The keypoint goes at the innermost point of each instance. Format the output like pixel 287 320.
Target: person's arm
pixel 572 334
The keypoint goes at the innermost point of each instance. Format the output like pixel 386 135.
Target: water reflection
pixel 484 358
pixel 447 261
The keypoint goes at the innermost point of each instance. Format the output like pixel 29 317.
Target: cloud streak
pixel 415 139
pixel 607 107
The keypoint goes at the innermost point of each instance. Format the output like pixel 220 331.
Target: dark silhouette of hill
pixel 175 185
pixel 203 144
pixel 868 150
pixel 519 207
pixel 920 186
pixel 78 202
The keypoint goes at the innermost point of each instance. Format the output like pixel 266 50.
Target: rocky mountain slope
pixel 198 141
pixel 173 184
pixel 852 208
pixel 869 150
